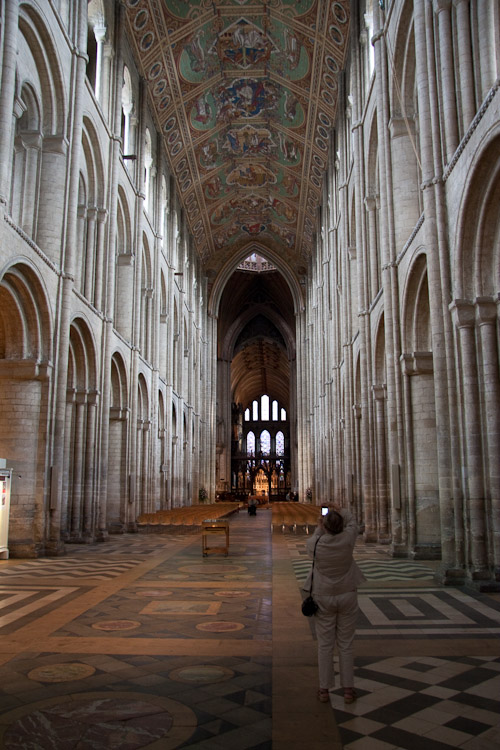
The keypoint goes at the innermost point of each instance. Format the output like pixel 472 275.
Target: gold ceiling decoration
pixel 244 93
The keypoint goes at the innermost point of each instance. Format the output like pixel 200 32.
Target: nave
pixel 142 642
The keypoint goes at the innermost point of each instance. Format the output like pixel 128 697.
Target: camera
pixel 324 511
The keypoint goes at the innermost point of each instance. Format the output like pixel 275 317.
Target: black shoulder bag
pixel 309 606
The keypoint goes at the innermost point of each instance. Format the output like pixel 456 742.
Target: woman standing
pixel 335 582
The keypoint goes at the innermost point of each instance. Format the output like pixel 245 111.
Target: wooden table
pixel 211 528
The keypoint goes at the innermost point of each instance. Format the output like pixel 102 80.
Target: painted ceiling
pixel 244 93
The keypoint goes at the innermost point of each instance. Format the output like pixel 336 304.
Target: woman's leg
pixel 346 627
pixel 325 621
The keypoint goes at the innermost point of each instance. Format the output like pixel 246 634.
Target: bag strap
pixel 312 569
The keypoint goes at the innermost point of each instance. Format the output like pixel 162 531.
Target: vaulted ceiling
pixel 244 94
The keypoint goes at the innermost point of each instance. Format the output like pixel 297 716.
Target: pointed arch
pixel 228 269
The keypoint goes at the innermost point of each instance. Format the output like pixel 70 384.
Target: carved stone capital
pixel 463 313
pixel 486 310
pixel 417 363
pixel 379 391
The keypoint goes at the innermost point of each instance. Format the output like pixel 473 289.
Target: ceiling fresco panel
pixel 244 93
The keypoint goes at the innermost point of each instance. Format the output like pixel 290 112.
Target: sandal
pixel 349 695
pixel 323 695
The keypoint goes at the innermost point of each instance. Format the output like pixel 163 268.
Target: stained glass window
pixel 280 444
pixel 264 408
pixel 265 442
pixel 250 444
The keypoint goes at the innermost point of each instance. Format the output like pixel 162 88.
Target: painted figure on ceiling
pixel 246 97
pixel 251 175
pixel 292 49
pixel 196 54
pixel 203 111
pixel 248 141
pixel 242 44
pixel 213 187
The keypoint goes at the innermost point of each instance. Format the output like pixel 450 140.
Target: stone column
pixel 379 396
pixel 76 491
pixel 389 280
pixel 50 220
pixel 107 57
pixel 81 246
pixel 145 500
pixel 464 315
pixel 106 281
pixel 32 144
pixel 407 362
pixel 89 493
pixel 100 34
pixel 448 93
pixel 435 226
pixel 465 67
pixel 102 215
pixel 487 31
pixel 486 320
pixel 88 282
pixel 54 545
pixel 66 486
pixel 150 322
pixel 7 91
pixel 371 205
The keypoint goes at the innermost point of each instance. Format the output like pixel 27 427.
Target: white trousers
pixel 335 623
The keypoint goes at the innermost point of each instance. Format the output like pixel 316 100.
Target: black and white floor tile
pixel 422 702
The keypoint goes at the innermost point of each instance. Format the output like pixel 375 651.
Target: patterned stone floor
pixel 142 642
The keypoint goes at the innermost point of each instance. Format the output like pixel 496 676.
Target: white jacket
pixel 335 571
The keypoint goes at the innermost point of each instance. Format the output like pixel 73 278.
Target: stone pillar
pixel 389 280
pixel 66 487
pixel 49 229
pixel 150 323
pixel 81 245
pixel 90 494
pixel 145 499
pixel 107 62
pixel 371 206
pixel 465 67
pixel 487 31
pixel 407 362
pixel 435 233
pixel 100 34
pixel 88 288
pixel 32 145
pixel 448 93
pixel 464 314
pixel 77 449
pixel 379 396
pixel 102 215
pixel 107 280
pixel 54 544
pixel 486 320
pixel 7 91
